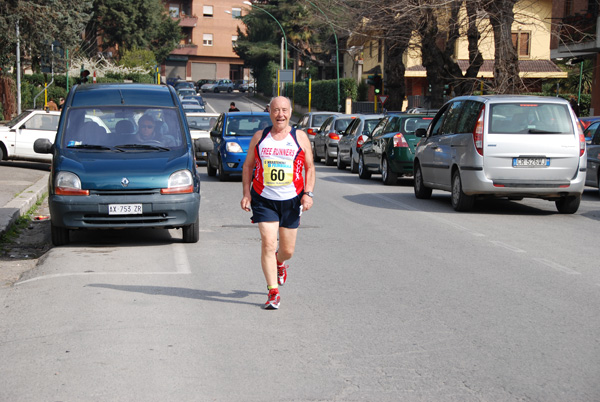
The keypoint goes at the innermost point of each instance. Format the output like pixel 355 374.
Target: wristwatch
pixel 310 194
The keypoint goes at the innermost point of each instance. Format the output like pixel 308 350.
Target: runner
pixel 277 192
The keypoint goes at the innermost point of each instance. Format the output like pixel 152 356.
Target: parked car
pixel 201 82
pixel 18 135
pixel 200 126
pixel 122 178
pixel 184 84
pixel 193 108
pixel 183 92
pixel 353 139
pixel 311 122
pixel 586 121
pixel 390 149
pixel 590 130
pixel 198 98
pixel 592 178
pixel 231 137
pixel 243 86
pixel 326 139
pixel 503 146
pixel 218 86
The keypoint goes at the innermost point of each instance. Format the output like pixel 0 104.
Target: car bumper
pixel 401 161
pixel 475 182
pixel 232 162
pixel 91 212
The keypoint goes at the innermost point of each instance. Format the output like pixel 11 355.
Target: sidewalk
pixel 22 184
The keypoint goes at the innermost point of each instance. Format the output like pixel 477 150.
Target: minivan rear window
pixel 530 118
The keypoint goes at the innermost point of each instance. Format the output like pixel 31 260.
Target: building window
pixel 236 12
pixel 207 39
pixel 207 11
pixel 234 39
pixel 174 10
pixel 520 41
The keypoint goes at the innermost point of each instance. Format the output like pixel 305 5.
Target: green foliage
pixel 324 93
pixel 143 24
pixel 363 92
pixel 265 79
pixel 138 58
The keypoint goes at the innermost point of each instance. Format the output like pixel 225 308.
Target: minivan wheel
pixel 569 204
pixel 191 233
pixel 353 165
pixel 363 173
pixel 60 236
pixel 229 90
pixel 460 201
pixel 389 177
pixel 421 191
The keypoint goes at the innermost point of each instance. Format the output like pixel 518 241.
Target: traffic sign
pixel 383 98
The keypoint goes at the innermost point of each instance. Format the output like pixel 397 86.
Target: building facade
pixel 210 30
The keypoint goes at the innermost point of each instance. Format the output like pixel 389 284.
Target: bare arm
pixel 309 169
pixel 247 172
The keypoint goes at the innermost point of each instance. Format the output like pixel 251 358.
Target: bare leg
pixel 287 243
pixel 268 236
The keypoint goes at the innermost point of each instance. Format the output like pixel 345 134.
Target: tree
pixel 124 24
pixel 506 60
pixel 41 23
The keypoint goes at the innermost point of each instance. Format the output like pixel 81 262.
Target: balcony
pixel 187 21
pixel 186 49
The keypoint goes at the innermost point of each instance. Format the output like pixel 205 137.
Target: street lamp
pixel 282 31
pixel 337 51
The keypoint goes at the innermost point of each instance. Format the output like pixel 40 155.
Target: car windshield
pixel 413 123
pixel 114 127
pixel 530 118
pixel 370 124
pixel 342 124
pixel 17 119
pixel 246 125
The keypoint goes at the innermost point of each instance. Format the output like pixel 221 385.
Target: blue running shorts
pixel 287 212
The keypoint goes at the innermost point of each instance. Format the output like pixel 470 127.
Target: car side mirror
pixel 421 132
pixel 43 146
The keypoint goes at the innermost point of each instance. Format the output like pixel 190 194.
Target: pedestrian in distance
pixel 61 103
pixel 51 105
pixel 232 107
pixel 278 179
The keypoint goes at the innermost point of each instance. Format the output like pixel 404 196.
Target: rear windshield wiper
pixel 538 131
pixel 143 147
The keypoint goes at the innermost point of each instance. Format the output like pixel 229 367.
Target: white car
pixel 200 125
pixel 19 134
pixel 218 86
pixel 512 146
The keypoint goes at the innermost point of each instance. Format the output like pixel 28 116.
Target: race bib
pixel 277 172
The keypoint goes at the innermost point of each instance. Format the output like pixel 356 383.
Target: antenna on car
pixel 122 99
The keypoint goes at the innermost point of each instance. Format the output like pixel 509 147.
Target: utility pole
pixel 18 72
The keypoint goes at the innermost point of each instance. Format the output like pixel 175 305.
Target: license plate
pixel 124 209
pixel 531 162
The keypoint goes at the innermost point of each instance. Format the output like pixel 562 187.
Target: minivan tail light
pixel 310 131
pixel 334 136
pixel 400 141
pixel 581 140
pixel 478 133
pixel 360 141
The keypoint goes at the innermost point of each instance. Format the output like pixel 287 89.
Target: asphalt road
pixel 388 298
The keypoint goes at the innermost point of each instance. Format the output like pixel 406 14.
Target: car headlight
pixel 234 147
pixel 180 182
pixel 67 183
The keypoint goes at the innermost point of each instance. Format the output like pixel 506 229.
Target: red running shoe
pixel 273 301
pixel 281 271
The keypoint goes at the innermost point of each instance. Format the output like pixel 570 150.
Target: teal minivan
pixel 123 157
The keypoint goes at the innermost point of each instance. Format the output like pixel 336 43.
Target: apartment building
pixel 577 37
pixel 531 34
pixel 210 31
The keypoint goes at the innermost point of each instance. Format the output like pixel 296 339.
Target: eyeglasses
pixel 148 127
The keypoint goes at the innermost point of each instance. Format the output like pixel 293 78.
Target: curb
pixel 22 203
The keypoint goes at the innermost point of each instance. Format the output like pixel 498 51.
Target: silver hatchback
pixel 511 146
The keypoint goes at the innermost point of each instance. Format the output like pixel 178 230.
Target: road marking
pixel 556 266
pixel 507 246
pixel 180 257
